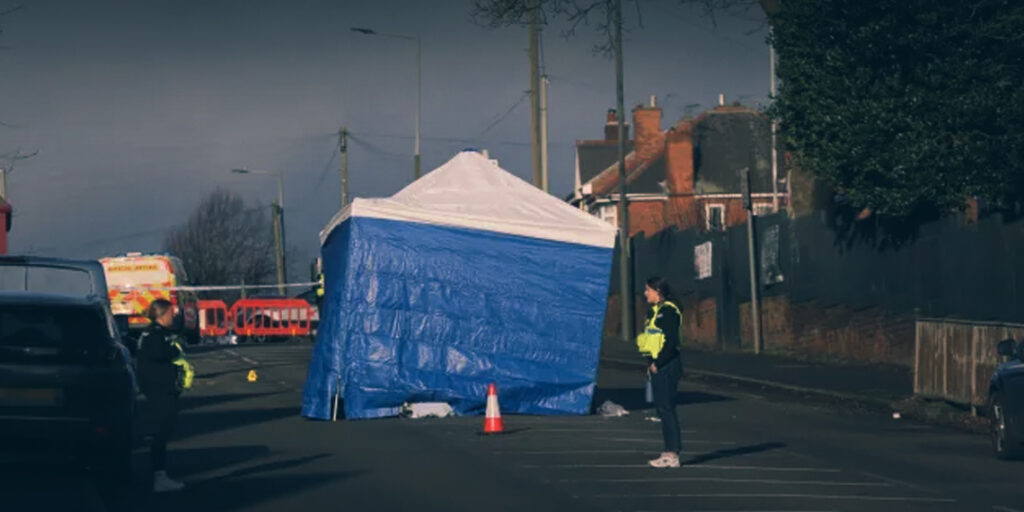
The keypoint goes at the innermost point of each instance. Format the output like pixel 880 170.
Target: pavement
pixel 875 386
pixel 242 446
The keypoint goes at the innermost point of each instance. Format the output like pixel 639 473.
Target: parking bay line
pixel 823 483
pixel 243 358
pixel 658 441
pixel 744 510
pixel 581 452
pixel 598 430
pixel 697 466
pixel 847 497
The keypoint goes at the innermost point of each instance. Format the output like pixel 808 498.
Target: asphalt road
pixel 242 446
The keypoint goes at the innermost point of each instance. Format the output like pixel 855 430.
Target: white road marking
pixel 584 430
pixel 901 483
pixel 658 441
pixel 580 452
pixel 728 480
pixel 243 358
pixel 744 510
pixel 684 468
pixel 851 497
pixel 1000 508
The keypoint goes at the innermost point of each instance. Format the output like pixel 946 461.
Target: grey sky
pixel 138 108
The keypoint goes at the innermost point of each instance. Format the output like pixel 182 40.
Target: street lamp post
pixel 419 72
pixel 279 240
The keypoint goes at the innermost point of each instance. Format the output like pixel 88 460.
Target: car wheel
pixel 1005 443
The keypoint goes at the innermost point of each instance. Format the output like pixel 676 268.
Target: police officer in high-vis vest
pixel 660 343
pixel 164 374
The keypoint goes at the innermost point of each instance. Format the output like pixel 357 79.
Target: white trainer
pixel 163 483
pixel 667 460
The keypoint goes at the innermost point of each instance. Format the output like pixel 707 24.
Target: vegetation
pixel 906 107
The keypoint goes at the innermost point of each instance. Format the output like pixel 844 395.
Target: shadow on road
pixel 733 452
pixel 231 494
pixel 192 424
pixel 633 398
pixel 195 402
pixel 272 466
pixel 191 461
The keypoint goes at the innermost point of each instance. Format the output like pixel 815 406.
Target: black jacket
pixel 157 375
pixel 668 321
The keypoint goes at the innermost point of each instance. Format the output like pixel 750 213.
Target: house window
pixel 714 215
pixel 609 213
pixel 763 209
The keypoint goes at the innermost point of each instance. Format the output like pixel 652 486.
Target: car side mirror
pixel 1006 348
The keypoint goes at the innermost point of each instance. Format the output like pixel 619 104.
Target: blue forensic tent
pixel 467 276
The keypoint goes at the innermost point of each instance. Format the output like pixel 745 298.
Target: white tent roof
pixel 471 191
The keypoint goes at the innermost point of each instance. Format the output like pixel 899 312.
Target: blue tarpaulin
pixel 466 277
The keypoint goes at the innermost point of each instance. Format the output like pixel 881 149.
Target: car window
pixel 51 326
pixel 43 279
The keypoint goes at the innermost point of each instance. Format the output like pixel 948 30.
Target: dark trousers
pixel 665 384
pixel 163 413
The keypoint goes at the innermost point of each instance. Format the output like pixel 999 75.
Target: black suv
pixel 66 379
pixel 1006 402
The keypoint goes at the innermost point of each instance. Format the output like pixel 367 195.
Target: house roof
pixel 597 155
pixel 725 140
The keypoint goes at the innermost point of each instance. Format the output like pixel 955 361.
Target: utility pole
pixel 775 129
pixel 419 85
pixel 3 184
pixel 625 258
pixel 544 132
pixel 535 94
pixel 343 149
pixel 279 248
pixel 755 301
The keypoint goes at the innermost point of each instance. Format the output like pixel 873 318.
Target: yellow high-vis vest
pixel 186 372
pixel 652 340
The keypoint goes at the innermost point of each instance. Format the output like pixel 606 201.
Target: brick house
pixel 685 176
pixel 5 224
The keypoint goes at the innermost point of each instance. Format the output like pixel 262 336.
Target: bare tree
pixel 225 242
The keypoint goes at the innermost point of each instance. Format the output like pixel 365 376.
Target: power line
pixel 502 117
pixel 456 139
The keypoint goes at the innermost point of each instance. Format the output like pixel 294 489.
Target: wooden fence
pixel 954 359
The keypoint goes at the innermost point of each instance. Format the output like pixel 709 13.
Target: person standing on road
pixel 659 343
pixel 163 375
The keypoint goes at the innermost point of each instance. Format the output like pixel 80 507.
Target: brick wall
pixel 809 328
pixel 700 318
pixel 647 217
pixel 700 322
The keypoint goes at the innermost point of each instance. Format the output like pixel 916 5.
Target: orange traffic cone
pixel 492 420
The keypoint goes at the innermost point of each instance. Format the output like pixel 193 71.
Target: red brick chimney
pixel 679 158
pixel 5 224
pixel 681 209
pixel 649 139
pixel 611 127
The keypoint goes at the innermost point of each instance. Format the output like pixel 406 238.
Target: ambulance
pixel 135 280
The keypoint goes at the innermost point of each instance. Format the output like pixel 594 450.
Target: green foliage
pixel 907 107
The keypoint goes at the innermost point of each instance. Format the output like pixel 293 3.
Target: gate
pixel 263 318
pixel 213 318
